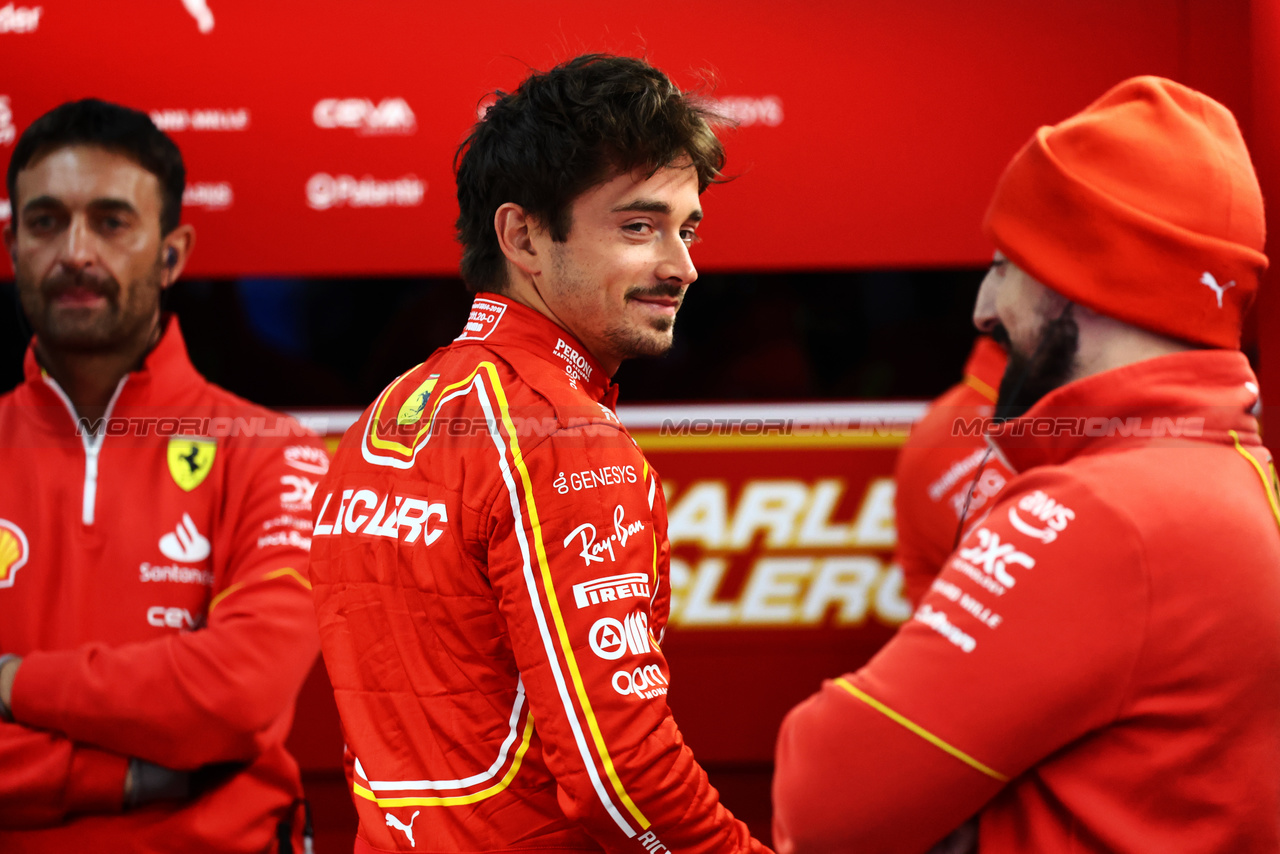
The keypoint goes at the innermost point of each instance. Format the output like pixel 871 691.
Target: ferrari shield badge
pixel 190 459
pixel 411 412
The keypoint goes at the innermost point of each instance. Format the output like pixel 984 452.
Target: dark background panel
pixel 337 342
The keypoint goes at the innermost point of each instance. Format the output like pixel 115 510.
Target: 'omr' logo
pixel 14 551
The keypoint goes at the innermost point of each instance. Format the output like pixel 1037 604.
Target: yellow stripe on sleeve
pixel 457 800
pixel 1266 486
pixel 921 731
pixel 553 601
pixel 286 572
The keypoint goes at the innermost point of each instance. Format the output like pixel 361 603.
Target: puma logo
pixel 392 821
pixel 1210 282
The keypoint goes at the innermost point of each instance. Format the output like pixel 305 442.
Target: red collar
pixel 985 367
pixel 1198 395
pixel 500 322
pixel 166 376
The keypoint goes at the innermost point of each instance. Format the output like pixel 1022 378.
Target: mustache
pixel 65 280
pixel 1001 336
pixel 671 291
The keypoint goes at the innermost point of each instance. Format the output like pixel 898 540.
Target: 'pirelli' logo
pixel 631 585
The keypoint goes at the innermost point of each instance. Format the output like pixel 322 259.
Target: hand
pixel 146 782
pixel 9 665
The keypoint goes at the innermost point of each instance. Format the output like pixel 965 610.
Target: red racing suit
pixel 490 570
pixel 153 579
pixel 1095 669
pixel 944 460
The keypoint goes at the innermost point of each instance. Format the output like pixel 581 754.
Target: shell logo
pixel 14 551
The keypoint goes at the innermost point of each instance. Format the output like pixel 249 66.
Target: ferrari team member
pixel 946 472
pixel 155 619
pixel 1095 668
pixel 491 557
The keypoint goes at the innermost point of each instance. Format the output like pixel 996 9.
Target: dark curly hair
pixel 115 128
pixel 563 132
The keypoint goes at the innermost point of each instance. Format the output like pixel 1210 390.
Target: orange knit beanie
pixel 1143 207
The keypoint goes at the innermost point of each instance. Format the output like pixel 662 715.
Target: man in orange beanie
pixel 1095 669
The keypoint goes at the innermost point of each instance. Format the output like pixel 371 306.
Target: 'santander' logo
pixel 14 551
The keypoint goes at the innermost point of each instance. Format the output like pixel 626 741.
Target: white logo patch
pixel 611 639
pixel 170 618
pixel 8 132
pixel 1055 517
pixel 210 195
pixel 390 116
pixel 298 497
pixel 20 19
pixel 185 544
pixel 199 9
pixel 325 191
pixel 994 558
pixel 306 458
pixel 592 551
pixel 407 829
pixel 1211 283
pixel 393 516
pixel 611 588
pixel 644 682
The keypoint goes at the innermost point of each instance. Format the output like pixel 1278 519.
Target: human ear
pixel 516 231
pixel 176 250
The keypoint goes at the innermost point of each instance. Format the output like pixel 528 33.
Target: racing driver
pixel 490 559
pixel 1095 668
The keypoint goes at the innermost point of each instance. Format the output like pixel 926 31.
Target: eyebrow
pixel 108 204
pixel 653 206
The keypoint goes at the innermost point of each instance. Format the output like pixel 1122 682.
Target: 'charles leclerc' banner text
pixel 782 532
pixel 319 136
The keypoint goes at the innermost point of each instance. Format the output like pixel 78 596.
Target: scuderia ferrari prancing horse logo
pixel 14 551
pixel 190 459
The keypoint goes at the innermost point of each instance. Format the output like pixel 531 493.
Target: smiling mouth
pixel 665 304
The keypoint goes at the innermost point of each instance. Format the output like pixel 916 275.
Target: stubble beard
pixel 625 340
pixel 632 341
pixel 112 327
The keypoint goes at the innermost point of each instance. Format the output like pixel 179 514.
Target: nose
pixel 984 308
pixel 677 264
pixel 78 250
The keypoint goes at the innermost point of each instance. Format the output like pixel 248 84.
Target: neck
pixel 90 378
pixel 522 289
pixel 1107 344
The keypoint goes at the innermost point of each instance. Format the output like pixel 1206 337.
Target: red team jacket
pixel 937 467
pixel 154 582
pixel 1097 668
pixel 490 570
